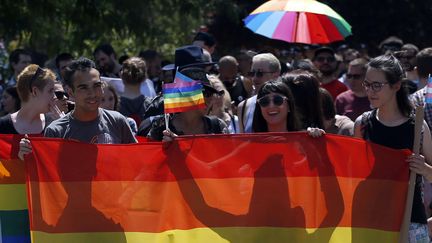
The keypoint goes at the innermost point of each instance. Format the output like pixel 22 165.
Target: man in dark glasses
pixel 354 102
pixel 265 67
pixel 325 60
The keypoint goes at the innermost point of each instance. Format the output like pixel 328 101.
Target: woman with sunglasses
pixel 35 88
pixel 276 112
pixel 219 104
pixel 60 107
pixel 391 124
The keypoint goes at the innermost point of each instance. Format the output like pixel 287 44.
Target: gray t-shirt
pixel 109 128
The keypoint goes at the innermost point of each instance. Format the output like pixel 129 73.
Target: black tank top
pixel 398 137
pixel 238 92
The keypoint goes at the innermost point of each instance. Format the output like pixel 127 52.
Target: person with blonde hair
pixel 219 104
pixel 35 87
pixel 265 67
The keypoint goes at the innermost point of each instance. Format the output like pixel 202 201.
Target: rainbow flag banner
pixel 184 94
pixel 428 98
pixel 281 187
pixel 14 220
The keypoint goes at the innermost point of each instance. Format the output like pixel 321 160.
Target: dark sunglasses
pixel 60 95
pixel 277 100
pixel 328 59
pixel 354 76
pixel 208 93
pixel 258 74
pixel 35 76
pixel 375 86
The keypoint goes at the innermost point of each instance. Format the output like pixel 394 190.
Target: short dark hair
pixel 424 62
pixel 207 38
pixel 81 64
pixel 394 73
pixel 14 56
pixel 105 48
pixel 148 55
pixel 324 49
pixel 62 57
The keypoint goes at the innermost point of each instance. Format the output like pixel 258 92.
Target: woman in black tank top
pixel 391 124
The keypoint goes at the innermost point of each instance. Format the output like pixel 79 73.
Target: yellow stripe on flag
pixel 13 197
pixel 225 235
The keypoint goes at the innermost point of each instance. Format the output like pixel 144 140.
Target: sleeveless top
pixel 398 137
pixel 238 92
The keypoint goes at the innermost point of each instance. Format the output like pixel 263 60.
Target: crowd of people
pixel 342 91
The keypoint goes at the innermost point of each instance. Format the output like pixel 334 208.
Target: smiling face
pixel 87 91
pixel 384 92
pixel 274 109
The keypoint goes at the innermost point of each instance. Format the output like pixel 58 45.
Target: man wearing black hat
pixel 189 60
pixel 325 60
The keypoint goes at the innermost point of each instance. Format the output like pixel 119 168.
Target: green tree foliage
pixel 77 26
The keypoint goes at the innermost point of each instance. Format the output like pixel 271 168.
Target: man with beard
pixel 106 61
pixel 233 81
pixel 325 60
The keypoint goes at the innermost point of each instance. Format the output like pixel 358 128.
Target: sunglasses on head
pixel 35 76
pixel 258 74
pixel 60 95
pixel 353 76
pixel 277 100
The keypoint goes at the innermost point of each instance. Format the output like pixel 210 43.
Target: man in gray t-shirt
pixel 87 122
pixel 109 127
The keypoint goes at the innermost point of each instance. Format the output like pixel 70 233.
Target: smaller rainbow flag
pixel 184 94
pixel 428 97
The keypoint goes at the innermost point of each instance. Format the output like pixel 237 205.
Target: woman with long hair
pixel 391 124
pixel 305 89
pixel 219 104
pixel 275 110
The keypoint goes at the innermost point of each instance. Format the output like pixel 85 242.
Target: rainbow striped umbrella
pixel 298 21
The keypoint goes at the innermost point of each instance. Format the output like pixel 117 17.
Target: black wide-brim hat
pixel 189 56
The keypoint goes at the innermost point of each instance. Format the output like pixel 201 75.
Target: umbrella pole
pixel 411 186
